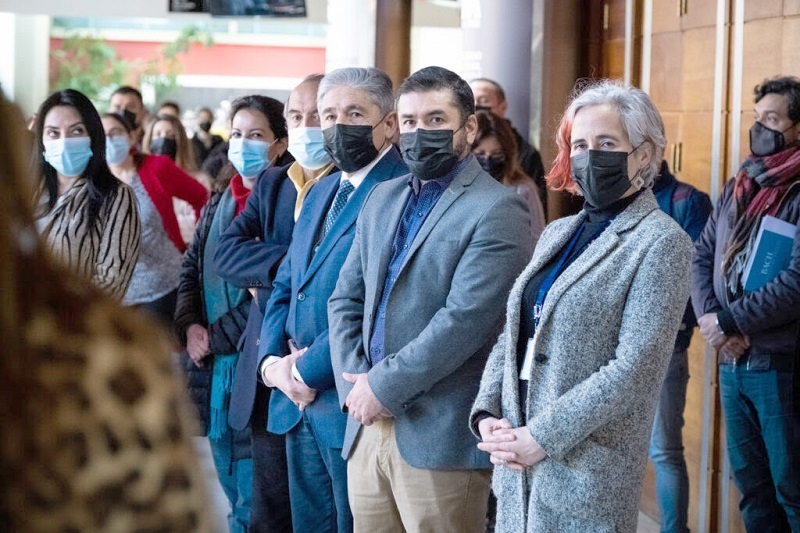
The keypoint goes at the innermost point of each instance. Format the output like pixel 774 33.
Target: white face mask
pixel 307 146
pixel 117 149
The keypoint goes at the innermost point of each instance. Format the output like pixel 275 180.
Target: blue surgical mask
pixel 307 145
pixel 68 155
pixel 248 157
pixel 117 149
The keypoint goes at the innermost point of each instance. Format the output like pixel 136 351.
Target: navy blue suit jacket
pixel 248 256
pixel 298 307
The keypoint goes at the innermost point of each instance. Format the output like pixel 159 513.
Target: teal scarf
pixel 220 298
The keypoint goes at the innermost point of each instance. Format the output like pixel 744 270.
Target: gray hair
pixel 640 119
pixel 371 80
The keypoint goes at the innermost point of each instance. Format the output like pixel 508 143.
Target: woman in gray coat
pixel 567 397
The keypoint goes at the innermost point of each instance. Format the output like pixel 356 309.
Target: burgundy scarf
pixel 760 187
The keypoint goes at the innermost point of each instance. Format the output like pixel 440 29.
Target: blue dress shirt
pixel 420 203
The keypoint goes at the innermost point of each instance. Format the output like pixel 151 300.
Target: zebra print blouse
pixel 105 253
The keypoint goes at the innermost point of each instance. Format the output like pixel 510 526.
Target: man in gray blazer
pixel 416 310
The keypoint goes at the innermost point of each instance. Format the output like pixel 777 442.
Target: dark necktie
pixel 345 188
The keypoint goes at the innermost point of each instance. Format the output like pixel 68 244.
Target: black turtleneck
pixel 596 221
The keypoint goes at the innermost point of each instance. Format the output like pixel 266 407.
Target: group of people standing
pixel 373 313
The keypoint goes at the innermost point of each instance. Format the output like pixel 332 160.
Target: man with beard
pixel 415 312
pixel 754 327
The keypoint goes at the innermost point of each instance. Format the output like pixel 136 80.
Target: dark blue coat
pixel 690 208
pixel 248 256
pixel 298 307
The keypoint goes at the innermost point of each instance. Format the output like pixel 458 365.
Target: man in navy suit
pixel 357 116
pixel 248 256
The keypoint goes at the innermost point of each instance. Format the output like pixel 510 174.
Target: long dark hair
pixel 272 110
pixel 101 183
pixel 490 125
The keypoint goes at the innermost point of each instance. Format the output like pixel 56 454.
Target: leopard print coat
pixel 95 432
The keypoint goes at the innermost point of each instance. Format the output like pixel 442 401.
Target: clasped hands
pixel 729 347
pixel 279 374
pixel 197 344
pixel 361 402
pixel 507 446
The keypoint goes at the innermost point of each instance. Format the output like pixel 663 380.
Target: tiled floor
pixel 219 502
pixel 647 525
pixel 221 507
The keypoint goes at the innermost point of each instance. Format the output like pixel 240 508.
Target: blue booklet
pixel 771 253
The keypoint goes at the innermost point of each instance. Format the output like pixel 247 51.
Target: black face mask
pixel 164 146
pixel 350 147
pixel 428 153
pixel 765 141
pixel 602 176
pixel 128 117
pixel 495 165
pixel 205 126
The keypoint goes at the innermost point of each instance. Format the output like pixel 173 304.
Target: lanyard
pixel 562 264
pixel 551 277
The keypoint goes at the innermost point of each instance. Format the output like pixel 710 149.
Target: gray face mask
pixel 765 141
pixel 603 176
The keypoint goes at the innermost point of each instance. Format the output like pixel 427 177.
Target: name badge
pixel 527 362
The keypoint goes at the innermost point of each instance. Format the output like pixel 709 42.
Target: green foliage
pixel 89 64
pixel 162 73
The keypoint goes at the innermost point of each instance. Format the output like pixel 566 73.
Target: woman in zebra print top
pixel 87 218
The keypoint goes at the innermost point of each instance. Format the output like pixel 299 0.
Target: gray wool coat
pixel 602 346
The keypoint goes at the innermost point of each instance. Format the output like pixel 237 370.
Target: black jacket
pixel 770 316
pixel 223 334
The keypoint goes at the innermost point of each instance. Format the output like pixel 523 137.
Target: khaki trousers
pixel 388 495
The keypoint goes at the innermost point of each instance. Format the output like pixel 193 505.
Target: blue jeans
pixel 666 447
pixel 763 430
pixel 236 478
pixel 317 483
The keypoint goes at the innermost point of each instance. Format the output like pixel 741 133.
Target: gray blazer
pixel 602 346
pixel 443 316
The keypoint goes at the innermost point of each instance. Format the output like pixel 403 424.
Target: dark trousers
pixel 270 511
pixel 162 309
pixel 763 432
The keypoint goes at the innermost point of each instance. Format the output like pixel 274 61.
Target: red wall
pixel 229 59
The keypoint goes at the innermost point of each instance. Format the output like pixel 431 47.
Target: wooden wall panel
pixel 616 19
pixel 614 63
pixel 696 140
pixel 699 13
pixel 762 9
pixel 665 16
pixel 762 38
pixel 672 127
pixel 791 45
pixel 698 69
pixel 648 503
pixel 666 87
pixel 693 426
